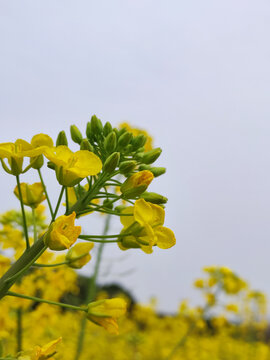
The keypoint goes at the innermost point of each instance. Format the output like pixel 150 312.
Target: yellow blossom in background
pixel 232 307
pixel 135 131
pixel 199 283
pixel 41 353
pixel 78 255
pixel 106 312
pixel 146 227
pixel 71 167
pixel 62 233
pixel 32 195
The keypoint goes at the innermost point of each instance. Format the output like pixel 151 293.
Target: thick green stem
pixel 34 298
pixel 19 314
pixel 91 290
pixel 45 191
pixel 23 213
pixel 21 265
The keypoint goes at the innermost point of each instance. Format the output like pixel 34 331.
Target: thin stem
pixel 67 205
pixel 19 313
pixel 34 298
pixel 34 224
pixel 61 263
pixel 58 203
pixel 101 241
pixel 103 236
pixel 91 290
pixel 45 191
pixel 23 212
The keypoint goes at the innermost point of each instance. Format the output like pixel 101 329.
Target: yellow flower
pixel 145 224
pixel 79 255
pixel 41 140
pixel 137 183
pixel 232 307
pixel 15 152
pixel 199 283
pixel 105 313
pixel 32 195
pixel 40 353
pixel 71 167
pixel 62 233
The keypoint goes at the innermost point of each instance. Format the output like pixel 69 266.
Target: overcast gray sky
pixel 196 75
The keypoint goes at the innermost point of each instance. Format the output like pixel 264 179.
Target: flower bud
pixel 151 156
pixel 107 128
pixel 157 171
pixel 96 126
pixel 15 165
pixel 76 135
pixel 62 233
pixel 124 140
pixel 61 139
pixel 38 162
pixel 154 198
pixel 139 141
pixel 112 162
pixel 136 184
pixel 32 195
pixel 127 166
pixel 89 133
pixel 85 145
pixel 78 255
pixel 110 142
pixel 105 313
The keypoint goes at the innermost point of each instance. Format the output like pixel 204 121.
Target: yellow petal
pixel 165 237
pixel 126 221
pixel 41 140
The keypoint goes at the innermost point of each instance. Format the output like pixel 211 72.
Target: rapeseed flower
pixel 32 195
pixel 71 167
pixel 106 312
pixel 78 255
pixel 146 227
pixel 62 233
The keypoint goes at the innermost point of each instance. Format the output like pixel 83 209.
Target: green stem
pixel 21 266
pixel 61 263
pixel 67 205
pixel 100 241
pixel 34 224
pixel 19 314
pixel 58 203
pixel 34 298
pixel 103 236
pixel 91 290
pixel 45 191
pixel 23 212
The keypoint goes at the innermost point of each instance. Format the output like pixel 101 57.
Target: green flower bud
pixel 110 142
pixel 51 165
pixel 85 145
pixel 127 166
pixel 76 135
pixel 89 133
pixel 157 171
pixel 112 162
pixel 107 128
pixel 96 126
pixel 154 198
pixel 61 139
pixel 38 163
pixel 124 140
pixel 139 141
pixel 151 156
pixel 120 208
